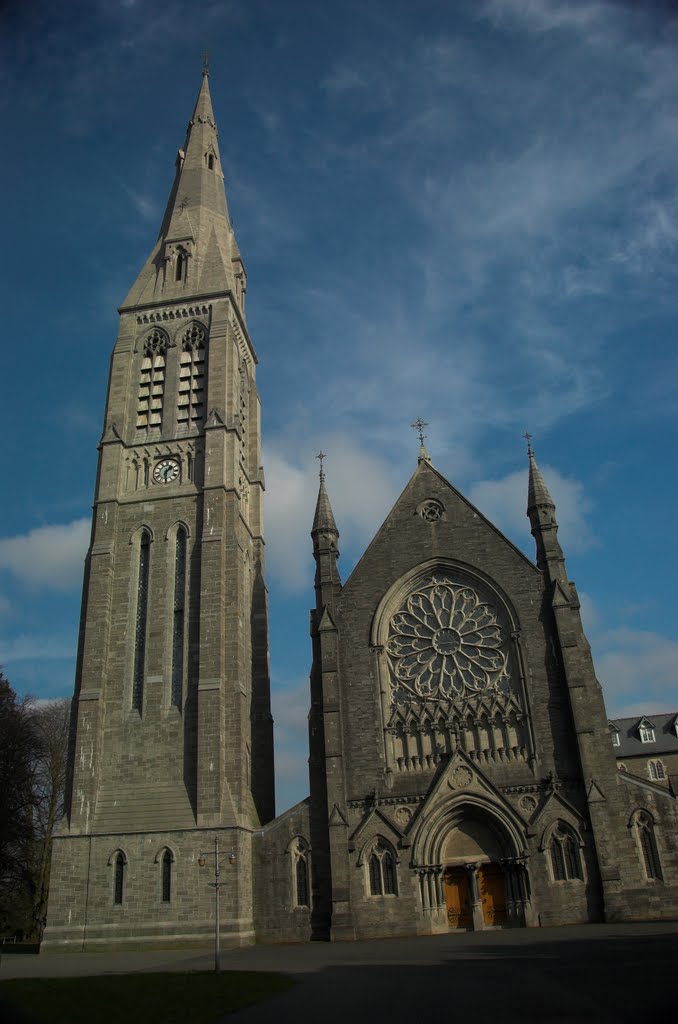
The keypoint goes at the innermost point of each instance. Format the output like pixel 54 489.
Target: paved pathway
pixel 594 973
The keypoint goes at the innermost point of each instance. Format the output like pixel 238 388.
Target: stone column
pixel 423 890
pixel 476 902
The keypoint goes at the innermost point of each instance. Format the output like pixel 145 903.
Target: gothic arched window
pixel 656 770
pixel 302 882
pixel 119 878
pixel 644 826
pixel 143 572
pixel 167 876
pixel 190 407
pixel 178 619
pixel 181 265
pixel 301 871
pixel 381 871
pixel 152 380
pixel 564 854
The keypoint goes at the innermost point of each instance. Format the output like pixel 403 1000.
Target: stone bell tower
pixel 172 731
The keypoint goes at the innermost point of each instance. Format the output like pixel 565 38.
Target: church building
pixel 462 775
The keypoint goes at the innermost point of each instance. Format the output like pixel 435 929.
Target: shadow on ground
pixel 620 979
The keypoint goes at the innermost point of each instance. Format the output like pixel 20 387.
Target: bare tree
pixel 33 755
pixel 17 755
pixel 51 723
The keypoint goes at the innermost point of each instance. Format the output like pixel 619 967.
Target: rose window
pixel 446 643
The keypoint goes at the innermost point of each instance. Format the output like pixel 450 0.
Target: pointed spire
pixel 203 112
pixel 537 491
pixel 541 511
pixel 324 517
pixel 196 251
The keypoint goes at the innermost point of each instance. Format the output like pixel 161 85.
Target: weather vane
pixel 206 62
pixel 321 455
pixel 528 438
pixel 419 425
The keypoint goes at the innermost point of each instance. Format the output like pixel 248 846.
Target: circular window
pixel 431 511
pixel 446 642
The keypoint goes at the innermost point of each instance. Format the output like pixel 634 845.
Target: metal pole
pixel 216 905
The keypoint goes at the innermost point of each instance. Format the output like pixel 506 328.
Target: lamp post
pixel 216 885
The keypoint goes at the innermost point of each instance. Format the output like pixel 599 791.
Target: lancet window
pixel 381 871
pixel 191 398
pixel 166 869
pixel 301 873
pixel 656 770
pixel 178 616
pixel 119 877
pixel 243 411
pixel 152 380
pixel 564 854
pixel 143 573
pixel 647 841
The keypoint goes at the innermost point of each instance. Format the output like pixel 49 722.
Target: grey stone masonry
pixel 172 732
pixel 462 774
pixel 457 725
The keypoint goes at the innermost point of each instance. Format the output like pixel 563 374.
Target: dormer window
pixel 646 731
pixel 614 735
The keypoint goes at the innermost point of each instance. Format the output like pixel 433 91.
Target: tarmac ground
pixel 591 973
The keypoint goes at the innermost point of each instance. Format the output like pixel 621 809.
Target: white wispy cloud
pixel 361 490
pixel 638 669
pixel 48 556
pixel 548 15
pixel 504 502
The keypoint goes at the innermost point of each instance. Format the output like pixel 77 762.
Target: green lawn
pixel 198 998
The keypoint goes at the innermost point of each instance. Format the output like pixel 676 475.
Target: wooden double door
pixel 491 887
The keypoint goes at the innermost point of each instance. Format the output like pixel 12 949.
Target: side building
pixel 647 747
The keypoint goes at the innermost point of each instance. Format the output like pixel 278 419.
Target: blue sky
pixel 461 211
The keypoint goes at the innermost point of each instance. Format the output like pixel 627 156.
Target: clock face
pixel 166 471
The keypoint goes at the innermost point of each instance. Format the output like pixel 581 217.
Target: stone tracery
pixel 445 642
pixel 449 662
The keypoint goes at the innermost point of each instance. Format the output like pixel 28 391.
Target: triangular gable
pixel 337 818
pixel 424 468
pixel 374 812
pixel 326 624
pixel 595 794
pixel 560 598
pixel 461 775
pixel 645 721
pixel 561 803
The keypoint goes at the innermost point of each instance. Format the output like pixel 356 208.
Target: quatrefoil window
pixel 431 511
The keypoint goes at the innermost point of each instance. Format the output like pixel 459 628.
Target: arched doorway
pixel 477 855
pixel 475 887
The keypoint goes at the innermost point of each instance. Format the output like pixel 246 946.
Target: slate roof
pixel 665 737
